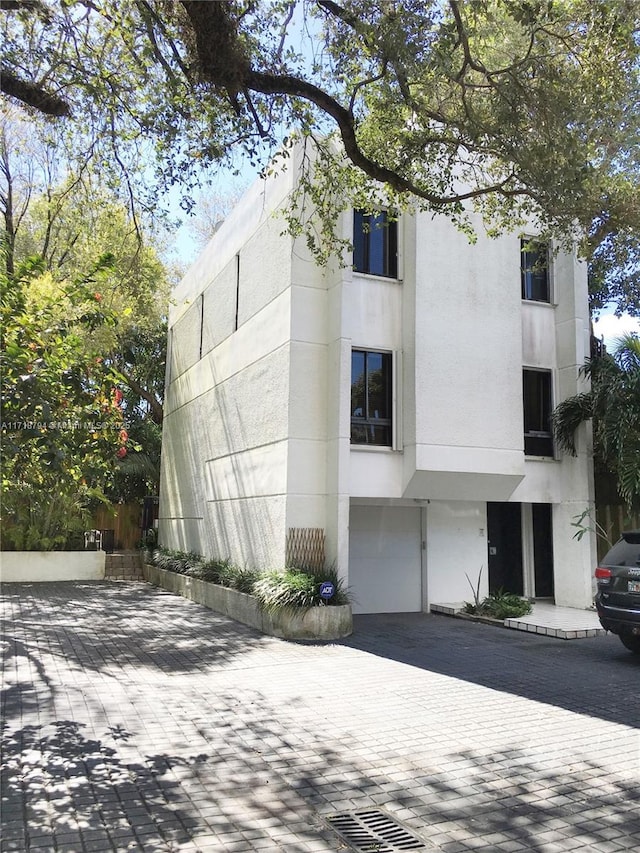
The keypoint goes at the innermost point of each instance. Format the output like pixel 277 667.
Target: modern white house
pixel 395 411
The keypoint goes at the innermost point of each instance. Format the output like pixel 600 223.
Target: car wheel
pixel 631 642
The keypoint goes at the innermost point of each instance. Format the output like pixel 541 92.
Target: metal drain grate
pixel 373 831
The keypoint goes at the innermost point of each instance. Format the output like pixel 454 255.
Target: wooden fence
pixel 613 519
pixel 125 524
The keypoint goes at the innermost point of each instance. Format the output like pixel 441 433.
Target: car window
pixel 623 554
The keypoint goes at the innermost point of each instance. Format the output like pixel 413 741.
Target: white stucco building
pixel 401 407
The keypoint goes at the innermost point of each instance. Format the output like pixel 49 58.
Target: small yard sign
pixel 327 590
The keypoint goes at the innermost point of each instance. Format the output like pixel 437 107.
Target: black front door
pixel 542 550
pixel 504 529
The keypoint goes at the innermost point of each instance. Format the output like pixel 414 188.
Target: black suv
pixel 618 597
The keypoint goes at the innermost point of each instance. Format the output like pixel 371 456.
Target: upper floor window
pixel 537 404
pixel 534 267
pixel 371 398
pixel 375 243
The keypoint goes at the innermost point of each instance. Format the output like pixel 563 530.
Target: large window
pixel 375 244
pixel 538 438
pixel 371 398
pixel 534 267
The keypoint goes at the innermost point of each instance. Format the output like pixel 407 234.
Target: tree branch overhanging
pixel 225 66
pixel 32 95
pixel 155 406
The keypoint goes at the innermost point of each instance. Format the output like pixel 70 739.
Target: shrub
pixel 187 562
pixel 289 588
pixel 244 580
pixel 500 605
pixel 34 520
pixel 506 605
pixel 210 570
pixel 181 562
pixel 294 588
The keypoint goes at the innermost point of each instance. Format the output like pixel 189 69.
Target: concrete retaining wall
pixel 316 623
pixel 38 566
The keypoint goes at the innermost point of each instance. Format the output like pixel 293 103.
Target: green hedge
pixel 292 587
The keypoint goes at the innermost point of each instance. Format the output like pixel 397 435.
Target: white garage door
pixel 385 574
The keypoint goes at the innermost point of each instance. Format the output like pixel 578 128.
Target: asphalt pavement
pixel 136 720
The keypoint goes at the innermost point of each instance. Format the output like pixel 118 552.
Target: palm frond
pixel 568 416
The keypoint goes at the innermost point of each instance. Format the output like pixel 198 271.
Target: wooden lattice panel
pixel 305 548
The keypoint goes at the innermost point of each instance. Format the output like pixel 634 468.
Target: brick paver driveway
pixel 135 720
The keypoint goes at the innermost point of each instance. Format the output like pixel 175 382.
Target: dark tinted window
pixel 536 390
pixel 534 267
pixel 623 554
pixel 371 397
pixel 375 244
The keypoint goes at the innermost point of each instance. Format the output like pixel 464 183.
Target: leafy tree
pixel 613 407
pixel 614 272
pixel 71 221
pixel 517 109
pixel 73 227
pixel 62 422
pixel 139 363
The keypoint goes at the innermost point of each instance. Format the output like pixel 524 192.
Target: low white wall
pixel 35 566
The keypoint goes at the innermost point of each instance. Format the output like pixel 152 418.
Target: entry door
pixel 504 528
pixel 542 550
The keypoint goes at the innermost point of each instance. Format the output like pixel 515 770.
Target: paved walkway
pixel 135 720
pixel 565 623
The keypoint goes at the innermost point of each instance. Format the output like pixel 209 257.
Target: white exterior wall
pixel 457 547
pixel 226 431
pixel 247 411
pixel 257 427
pixel 467 382
pixel 464 335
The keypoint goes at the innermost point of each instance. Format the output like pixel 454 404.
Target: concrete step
pixel 126 566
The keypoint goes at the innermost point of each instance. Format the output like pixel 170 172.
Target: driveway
pixel 136 720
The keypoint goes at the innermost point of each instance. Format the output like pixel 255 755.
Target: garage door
pixel 385 572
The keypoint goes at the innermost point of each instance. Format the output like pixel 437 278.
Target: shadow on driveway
pixel 594 675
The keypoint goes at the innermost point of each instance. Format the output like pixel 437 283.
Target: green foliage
pixel 71 228
pixel 180 562
pixel 614 272
pixel 500 605
pixel 290 588
pixel 519 110
pixel 215 571
pixel 139 362
pixel 613 406
pixel 293 588
pixel 244 580
pixel 285 590
pixel 74 230
pixel 33 521
pixel 505 605
pixel 585 522
pixel 475 590
pixel 62 425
